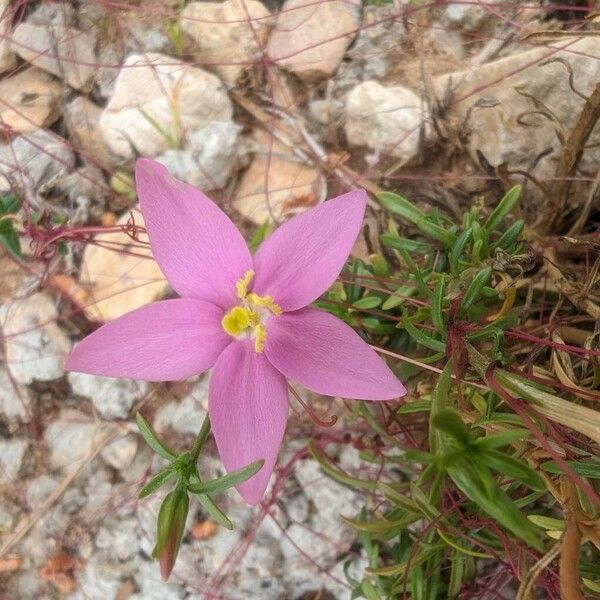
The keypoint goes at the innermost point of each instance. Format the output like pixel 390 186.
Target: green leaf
pixel 367 302
pixel 507 465
pixel 509 238
pixel 226 481
pixel 391 240
pixel 457 250
pixel 480 487
pixel 448 421
pixel 157 481
pixel 474 290
pixel 437 299
pixel 503 208
pixel 259 236
pixel 213 511
pixel 589 469
pixel 499 440
pixel 401 206
pixel 420 336
pixel 152 439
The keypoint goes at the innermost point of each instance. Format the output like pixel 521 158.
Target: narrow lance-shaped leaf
pixel 157 481
pixel 152 439
pixel 226 481
pixel 503 208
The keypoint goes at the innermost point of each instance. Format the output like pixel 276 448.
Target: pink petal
pixel 327 356
pixel 302 258
pixel 198 248
pixel 248 407
pixel 164 341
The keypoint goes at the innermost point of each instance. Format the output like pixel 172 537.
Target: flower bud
pixel 171 525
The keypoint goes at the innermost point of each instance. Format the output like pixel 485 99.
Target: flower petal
pixel 248 407
pixel 327 356
pixel 164 341
pixel 301 259
pixel 198 248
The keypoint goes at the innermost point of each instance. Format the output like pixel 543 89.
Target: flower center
pixel 249 316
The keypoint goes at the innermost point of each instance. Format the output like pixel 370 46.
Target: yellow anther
pixel 241 286
pixel 260 336
pixel 264 302
pixel 237 320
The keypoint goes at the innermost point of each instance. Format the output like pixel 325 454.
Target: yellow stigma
pixel 260 336
pixel 241 287
pixel 237 320
pixel 264 302
pixel 248 316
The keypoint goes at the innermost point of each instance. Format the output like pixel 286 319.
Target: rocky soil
pixel 271 108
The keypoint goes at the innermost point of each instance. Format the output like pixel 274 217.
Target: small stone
pixel 112 398
pixel 119 282
pixel 52 13
pixel 469 17
pixel 15 399
pixel 388 120
pixel 120 538
pixel 209 156
pixel 277 184
pixel 311 38
pixel 82 118
pixel 35 346
pixel 30 100
pixel 151 586
pixel 185 416
pixel 36 159
pixel 7 59
pixel 156 100
pixel 99 579
pixel 229 36
pixel 80 196
pixel 12 452
pixel 498 102
pixel 71 438
pixel 63 51
pixel 120 453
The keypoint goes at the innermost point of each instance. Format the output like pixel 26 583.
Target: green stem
pixel 200 439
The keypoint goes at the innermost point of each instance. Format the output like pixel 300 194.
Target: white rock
pixel 7 59
pixel 185 416
pixel 63 51
pixel 229 36
pixel 72 438
pixel 119 282
pixel 388 120
pixel 15 399
pixel 310 38
pixel 112 398
pixel 98 580
pixel 30 100
pixel 209 156
pixel 120 453
pixel 33 160
pixel 470 16
pixel 82 117
pixel 489 96
pixel 151 587
pixel 12 452
pixel 52 13
pixel 156 100
pixel 277 184
pixel 35 346
pixel 119 537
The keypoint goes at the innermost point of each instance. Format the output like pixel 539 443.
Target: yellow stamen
pixel 260 333
pixel 241 287
pixel 237 320
pixel 264 302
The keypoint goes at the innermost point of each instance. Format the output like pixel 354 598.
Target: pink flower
pixel 245 316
